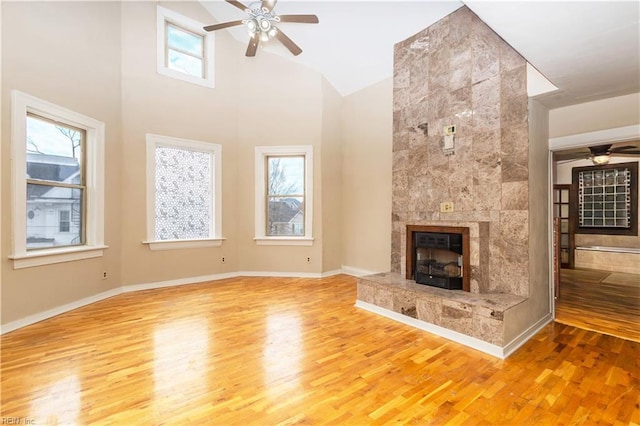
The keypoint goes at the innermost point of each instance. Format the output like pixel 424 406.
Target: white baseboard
pixel 180 281
pixel 356 272
pixel 280 274
pixel 513 345
pixel 32 319
pixel 463 339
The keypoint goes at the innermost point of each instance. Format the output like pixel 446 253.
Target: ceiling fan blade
pixel 253 46
pixel 627 153
pixel 222 25
pixel 288 43
pixel 237 4
pixel 269 4
pixel 624 148
pixel 303 19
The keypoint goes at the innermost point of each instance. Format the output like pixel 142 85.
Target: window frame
pixel 166 16
pixel 604 230
pixel 215 238
pixel 261 181
pixel 23 104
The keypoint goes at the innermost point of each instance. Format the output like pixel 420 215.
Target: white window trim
pixel 261 152
pixel 194 26
pixel 21 104
pixel 216 238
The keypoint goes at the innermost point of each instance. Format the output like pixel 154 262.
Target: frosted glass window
pixel 183 188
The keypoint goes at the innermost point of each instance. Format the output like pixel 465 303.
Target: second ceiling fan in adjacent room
pixel 261 25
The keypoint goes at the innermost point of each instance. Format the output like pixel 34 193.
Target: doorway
pixel 604 301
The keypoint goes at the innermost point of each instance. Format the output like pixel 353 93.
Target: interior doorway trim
pixel 579 140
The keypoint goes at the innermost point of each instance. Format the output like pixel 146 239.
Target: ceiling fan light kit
pixel 600 160
pixel 260 25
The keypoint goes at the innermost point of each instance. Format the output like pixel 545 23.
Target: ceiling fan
pixel 600 154
pixel 261 25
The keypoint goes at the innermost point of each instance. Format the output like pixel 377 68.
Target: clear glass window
pixel 285 196
pixel 184 51
pixel 55 184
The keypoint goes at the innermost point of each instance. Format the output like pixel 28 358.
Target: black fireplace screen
pixel 438 259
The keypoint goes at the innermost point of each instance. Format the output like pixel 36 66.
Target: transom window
pixel 184 50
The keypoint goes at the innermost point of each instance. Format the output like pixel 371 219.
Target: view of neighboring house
pixel 53 212
pixel 286 217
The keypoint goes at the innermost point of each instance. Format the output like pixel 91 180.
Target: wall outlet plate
pixel 446 207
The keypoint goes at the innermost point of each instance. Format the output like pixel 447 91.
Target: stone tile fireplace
pixel 459 73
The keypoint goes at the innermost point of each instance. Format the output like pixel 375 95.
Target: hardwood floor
pixel 281 351
pixel 602 301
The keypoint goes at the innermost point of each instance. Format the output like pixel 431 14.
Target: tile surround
pixel 458 71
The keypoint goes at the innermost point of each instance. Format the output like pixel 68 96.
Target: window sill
pixel 183 244
pixel 283 241
pixel 58 255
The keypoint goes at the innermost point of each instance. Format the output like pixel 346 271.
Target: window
pixel 58 183
pixel 284 195
pixel 64 222
pixel 185 50
pixel 606 199
pixel 183 193
pixel 55 183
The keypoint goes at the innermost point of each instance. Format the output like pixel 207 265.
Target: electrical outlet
pixel 105 275
pixel 446 207
pixel 308 260
pixel 222 260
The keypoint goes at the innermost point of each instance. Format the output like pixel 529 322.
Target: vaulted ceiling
pixel 589 49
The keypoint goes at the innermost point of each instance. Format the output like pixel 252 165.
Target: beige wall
pixel 598 115
pixel 279 103
pixel 538 304
pixel 266 100
pixel 331 175
pixel 44 56
pixel 153 103
pixel 366 169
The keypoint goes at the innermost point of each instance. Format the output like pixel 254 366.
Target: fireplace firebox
pixel 438 256
pixel 439 260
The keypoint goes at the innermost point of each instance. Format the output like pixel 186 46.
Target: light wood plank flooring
pixel 282 351
pixel 607 302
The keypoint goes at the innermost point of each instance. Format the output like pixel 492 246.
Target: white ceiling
pixel 589 49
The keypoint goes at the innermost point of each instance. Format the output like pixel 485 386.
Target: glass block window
pixel 183 180
pixel 606 199
pixel 183 188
